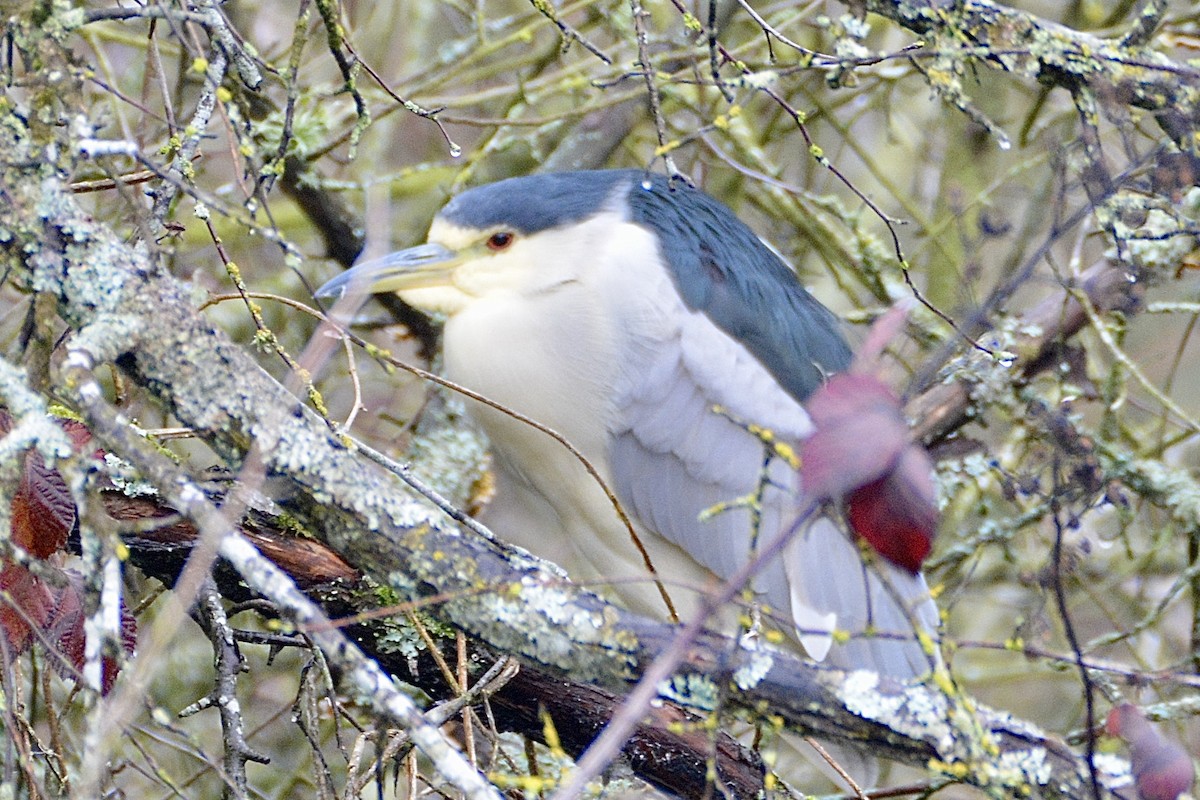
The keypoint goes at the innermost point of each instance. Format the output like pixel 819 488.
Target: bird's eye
pixel 500 240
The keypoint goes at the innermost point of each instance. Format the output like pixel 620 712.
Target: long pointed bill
pixel 415 268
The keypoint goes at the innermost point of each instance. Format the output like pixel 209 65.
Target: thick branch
pixel 658 752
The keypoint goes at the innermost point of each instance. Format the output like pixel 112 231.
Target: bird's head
pixel 521 236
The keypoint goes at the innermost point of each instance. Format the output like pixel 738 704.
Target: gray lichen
pixel 694 691
pixel 32 424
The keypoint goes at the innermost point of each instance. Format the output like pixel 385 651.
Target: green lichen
pixel 447 451
pixel 31 425
pixel 125 479
pixel 1173 489
pixel 750 674
pixel 401 636
pixel 1151 234
pixel 691 690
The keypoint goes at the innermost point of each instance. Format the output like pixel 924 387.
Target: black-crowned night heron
pixel 648 325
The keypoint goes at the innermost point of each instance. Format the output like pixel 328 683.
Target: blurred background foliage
pixel 878 164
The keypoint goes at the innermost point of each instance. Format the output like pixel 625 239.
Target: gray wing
pixel 721 268
pixel 674 457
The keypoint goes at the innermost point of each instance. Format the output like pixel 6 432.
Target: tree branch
pixel 1126 70
pixel 946 407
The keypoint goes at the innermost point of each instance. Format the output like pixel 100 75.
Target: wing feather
pixel 673 457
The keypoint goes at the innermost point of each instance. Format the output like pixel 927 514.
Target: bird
pixel 639 318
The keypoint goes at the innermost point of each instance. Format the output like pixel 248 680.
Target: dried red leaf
pixel 79 435
pixel 859 435
pixel 25 604
pixel 43 514
pixel 1162 769
pixel 886 328
pixel 861 451
pixel 897 514
pixel 43 511
pixel 66 628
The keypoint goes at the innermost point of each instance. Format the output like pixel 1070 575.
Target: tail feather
pixel 879 606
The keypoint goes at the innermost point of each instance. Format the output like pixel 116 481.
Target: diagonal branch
pixel 1023 44
pixel 946 407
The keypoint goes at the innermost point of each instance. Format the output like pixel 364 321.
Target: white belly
pixel 546 502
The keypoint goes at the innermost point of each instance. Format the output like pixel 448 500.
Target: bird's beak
pixel 418 267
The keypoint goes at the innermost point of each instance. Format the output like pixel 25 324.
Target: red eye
pixel 500 240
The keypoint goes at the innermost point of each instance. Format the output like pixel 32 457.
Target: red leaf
pixel 26 604
pixel 861 451
pixel 859 435
pixel 43 511
pixel 67 627
pixel 1162 769
pixel 79 435
pixel 897 514
pixel 43 514
pixel 883 330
